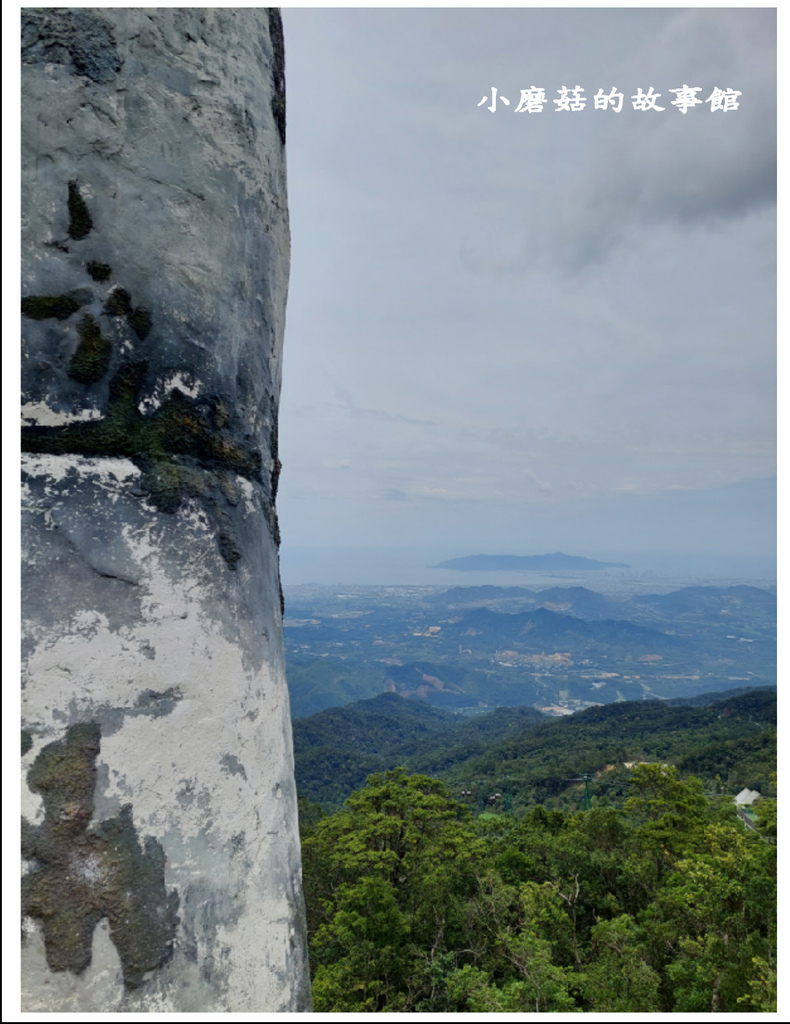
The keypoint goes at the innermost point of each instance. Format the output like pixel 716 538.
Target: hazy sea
pixel 648 572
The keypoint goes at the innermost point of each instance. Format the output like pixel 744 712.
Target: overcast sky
pixel 523 332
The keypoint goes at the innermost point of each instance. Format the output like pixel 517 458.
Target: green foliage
pixel 765 812
pixel 337 749
pixel 618 977
pixel 391 871
pixel 319 684
pixel 413 906
pixel 762 987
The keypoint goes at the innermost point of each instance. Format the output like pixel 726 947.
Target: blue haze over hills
pixel 413 566
pixel 559 648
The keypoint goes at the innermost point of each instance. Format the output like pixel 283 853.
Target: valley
pixel 558 649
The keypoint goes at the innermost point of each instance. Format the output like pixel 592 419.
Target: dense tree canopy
pixel 666 904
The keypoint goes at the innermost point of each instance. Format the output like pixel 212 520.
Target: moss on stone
pixel 143 916
pixel 140 321
pixel 27 741
pixel 91 361
pixel 84 874
pixel 180 427
pixel 181 449
pixel 64 774
pixel 168 481
pixel 186 448
pixel 119 303
pixel 99 271
pixel 80 222
pixel 54 307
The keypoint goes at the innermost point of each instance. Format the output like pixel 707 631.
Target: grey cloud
pixel 497 389
pixel 701 167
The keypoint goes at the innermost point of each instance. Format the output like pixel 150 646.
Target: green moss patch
pixel 184 449
pixel 180 427
pixel 85 873
pixel 55 307
pixel 99 271
pixel 119 303
pixel 80 222
pixel 91 361
pixel 140 321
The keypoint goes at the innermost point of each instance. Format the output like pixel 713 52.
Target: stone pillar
pixel 161 866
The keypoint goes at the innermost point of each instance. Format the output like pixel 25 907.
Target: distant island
pixel 525 563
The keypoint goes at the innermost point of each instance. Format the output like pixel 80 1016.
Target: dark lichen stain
pixel 276 464
pixel 156 704
pixel 278 70
pixel 185 449
pixel 119 303
pixel 91 361
pixel 140 321
pixel 80 222
pixel 85 873
pixel 228 542
pixel 231 764
pixel 27 741
pixel 55 307
pixel 99 271
pixel 59 36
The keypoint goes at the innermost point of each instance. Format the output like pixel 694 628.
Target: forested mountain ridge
pixel 337 749
pixel 532 755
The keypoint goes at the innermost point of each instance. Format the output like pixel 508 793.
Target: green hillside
pixel 729 743
pixel 530 758
pixel 337 749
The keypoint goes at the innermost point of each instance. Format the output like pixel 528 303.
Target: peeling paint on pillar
pixel 160 840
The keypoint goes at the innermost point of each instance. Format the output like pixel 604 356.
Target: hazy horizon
pixel 415 566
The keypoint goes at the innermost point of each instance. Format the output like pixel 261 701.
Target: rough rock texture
pixel 160 844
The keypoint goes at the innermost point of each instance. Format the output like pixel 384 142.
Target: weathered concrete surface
pixel 160 844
